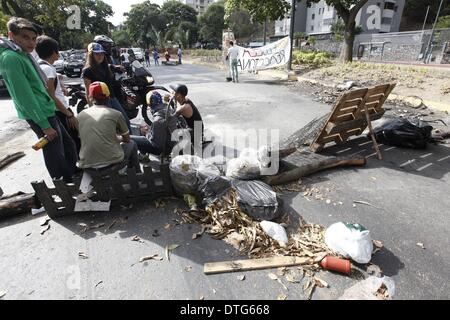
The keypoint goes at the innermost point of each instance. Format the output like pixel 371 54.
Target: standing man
pixel 180 53
pixel 48 51
pixel 232 56
pixel 147 57
pixel 156 56
pixel 26 84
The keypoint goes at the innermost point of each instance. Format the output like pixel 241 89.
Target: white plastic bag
pixel 367 289
pixel 275 231
pixel 183 171
pixel 351 240
pixel 243 169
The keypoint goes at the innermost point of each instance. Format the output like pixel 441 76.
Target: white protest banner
pixel 268 57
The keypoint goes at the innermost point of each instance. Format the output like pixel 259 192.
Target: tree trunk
pixel 349 38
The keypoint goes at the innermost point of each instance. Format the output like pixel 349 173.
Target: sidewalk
pixel 282 75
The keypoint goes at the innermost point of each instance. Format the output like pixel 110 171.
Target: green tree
pixel 277 9
pixel 242 25
pixel 122 38
pixel 52 15
pixel 415 10
pixel 259 10
pixel 212 23
pixel 298 36
pixel 3 21
pixel 443 22
pixel 176 12
pixel 141 22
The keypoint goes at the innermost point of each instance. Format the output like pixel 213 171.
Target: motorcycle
pixel 134 90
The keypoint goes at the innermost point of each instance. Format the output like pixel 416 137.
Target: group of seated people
pixel 105 137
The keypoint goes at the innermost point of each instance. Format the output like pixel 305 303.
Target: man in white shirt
pixel 48 51
pixel 233 54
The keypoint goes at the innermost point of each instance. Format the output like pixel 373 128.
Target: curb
pixel 440 106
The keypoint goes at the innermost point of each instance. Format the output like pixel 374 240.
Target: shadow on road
pixel 432 162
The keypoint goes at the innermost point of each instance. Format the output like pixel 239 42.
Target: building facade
pixel 199 5
pixel 377 16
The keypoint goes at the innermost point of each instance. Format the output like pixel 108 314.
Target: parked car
pixel 139 53
pixel 74 64
pixel 3 89
pixel 59 65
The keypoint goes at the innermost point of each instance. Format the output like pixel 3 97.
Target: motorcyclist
pixel 110 47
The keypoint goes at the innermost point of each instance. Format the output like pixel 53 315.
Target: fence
pixel 120 188
pixel 396 46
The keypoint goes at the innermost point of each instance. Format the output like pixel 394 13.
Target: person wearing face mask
pixel 27 85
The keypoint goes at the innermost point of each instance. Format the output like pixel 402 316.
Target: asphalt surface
pixel 407 192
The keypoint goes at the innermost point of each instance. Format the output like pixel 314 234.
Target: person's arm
pixel 185 110
pixel 122 129
pixel 71 120
pixel 87 83
pixel 25 98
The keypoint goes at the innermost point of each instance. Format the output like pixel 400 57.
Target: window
pixel 386 20
pixel 312 28
pixel 395 8
pixel 313 16
pixel 389 5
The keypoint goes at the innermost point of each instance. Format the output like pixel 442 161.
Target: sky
pixel 122 6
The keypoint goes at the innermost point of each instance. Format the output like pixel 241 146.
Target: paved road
pixel 408 191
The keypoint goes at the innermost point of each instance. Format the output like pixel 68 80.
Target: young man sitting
pixel 158 139
pixel 105 139
pixel 187 108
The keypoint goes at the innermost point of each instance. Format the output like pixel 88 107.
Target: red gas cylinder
pixel 336 264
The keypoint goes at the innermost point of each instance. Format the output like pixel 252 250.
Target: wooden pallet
pixel 348 117
pixel 121 189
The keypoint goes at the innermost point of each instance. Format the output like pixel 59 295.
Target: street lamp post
pixel 432 34
pixel 291 35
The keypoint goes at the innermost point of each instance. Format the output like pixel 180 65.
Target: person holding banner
pixel 232 56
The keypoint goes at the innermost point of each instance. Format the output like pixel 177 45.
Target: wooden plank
pixel 64 193
pixel 357 123
pixel 254 264
pixel 375 98
pixel 102 188
pixel 378 89
pixel 11 158
pixel 117 187
pixel 351 103
pixel 43 194
pixel 16 204
pixel 356 94
pixel 133 181
pixel 149 180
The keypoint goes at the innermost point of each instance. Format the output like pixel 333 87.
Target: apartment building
pixel 377 16
pixel 199 5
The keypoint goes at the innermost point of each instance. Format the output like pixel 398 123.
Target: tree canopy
pixel 53 15
pixel 212 23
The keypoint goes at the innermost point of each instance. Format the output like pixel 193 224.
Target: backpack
pixel 41 63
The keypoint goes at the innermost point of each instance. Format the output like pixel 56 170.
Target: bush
pixel 312 59
pixel 205 53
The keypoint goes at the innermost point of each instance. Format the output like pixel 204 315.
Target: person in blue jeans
pixel 97 69
pixel 158 140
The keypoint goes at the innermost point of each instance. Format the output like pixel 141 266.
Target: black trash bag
pixel 211 187
pixel 403 133
pixel 257 199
